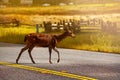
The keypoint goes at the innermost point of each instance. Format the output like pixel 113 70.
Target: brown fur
pixel 43 40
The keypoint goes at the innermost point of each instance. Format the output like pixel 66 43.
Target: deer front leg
pixel 58 54
pixel 29 51
pixel 50 51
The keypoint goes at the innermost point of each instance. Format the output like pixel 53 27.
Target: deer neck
pixel 61 37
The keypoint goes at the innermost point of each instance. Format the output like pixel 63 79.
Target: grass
pixel 15 34
pixel 100 42
pixel 83 41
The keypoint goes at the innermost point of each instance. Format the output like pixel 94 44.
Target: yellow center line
pixel 46 71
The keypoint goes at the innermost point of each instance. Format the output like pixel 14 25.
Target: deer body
pixel 43 40
pixel 40 40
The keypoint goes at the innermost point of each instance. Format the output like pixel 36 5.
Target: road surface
pixel 86 65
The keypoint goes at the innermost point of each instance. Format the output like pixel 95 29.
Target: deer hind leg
pixel 58 54
pixel 29 51
pixel 50 52
pixel 22 50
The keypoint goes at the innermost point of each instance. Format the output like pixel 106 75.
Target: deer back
pixel 43 40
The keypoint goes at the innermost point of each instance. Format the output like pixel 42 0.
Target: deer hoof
pixel 16 61
pixel 33 62
pixel 50 62
pixel 58 60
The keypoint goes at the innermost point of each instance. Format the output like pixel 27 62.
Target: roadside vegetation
pixel 15 34
pixel 83 41
pixel 28 17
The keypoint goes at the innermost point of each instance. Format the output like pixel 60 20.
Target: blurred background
pixel 96 23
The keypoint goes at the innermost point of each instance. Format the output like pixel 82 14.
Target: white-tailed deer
pixel 43 40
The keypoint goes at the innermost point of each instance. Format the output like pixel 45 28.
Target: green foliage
pixel 102 42
pixel 96 42
pixel 102 39
pixel 15 34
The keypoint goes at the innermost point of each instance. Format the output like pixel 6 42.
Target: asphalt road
pixel 101 66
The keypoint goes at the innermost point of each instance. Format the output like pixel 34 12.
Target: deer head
pixel 69 33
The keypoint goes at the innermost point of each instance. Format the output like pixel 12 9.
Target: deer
pixel 44 40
